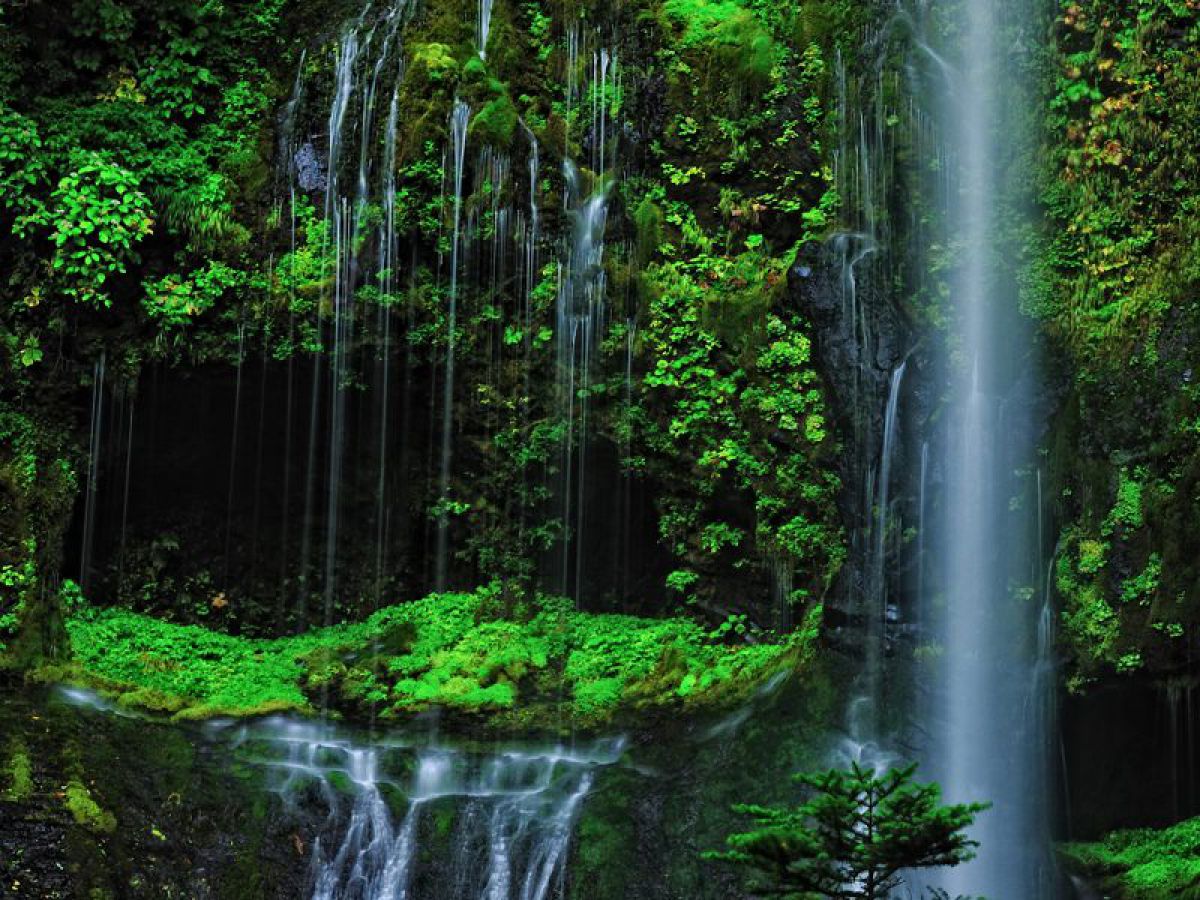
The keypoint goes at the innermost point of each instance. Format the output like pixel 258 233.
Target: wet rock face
pixel 844 304
pixel 186 824
pixel 859 338
pixel 310 169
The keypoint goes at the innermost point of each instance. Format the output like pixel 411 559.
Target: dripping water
pixel 96 432
pixel 483 26
pixel 233 446
pixel 877 612
pixel 580 322
pixel 459 119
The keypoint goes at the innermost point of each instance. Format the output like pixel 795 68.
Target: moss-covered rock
pixel 18 772
pixel 85 810
pixel 1143 864
pixel 551 667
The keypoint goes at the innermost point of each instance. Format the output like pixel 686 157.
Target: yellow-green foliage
pixel 446 650
pixel 1125 148
pixel 1116 281
pixel 1143 864
pixel 437 60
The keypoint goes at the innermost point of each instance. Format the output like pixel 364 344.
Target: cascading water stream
pixel 483 26
pixel 365 58
pixel 387 278
pixel 582 305
pixel 514 810
pixel 878 613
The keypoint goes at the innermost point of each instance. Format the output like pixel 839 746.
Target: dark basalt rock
pixel 857 375
pixel 834 286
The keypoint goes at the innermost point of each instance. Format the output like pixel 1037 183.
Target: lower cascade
pixel 504 818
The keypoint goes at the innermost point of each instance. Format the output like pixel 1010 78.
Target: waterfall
pixel 487 260
pixel 127 484
pixel 233 445
pixel 922 489
pixel 354 188
pixel 925 167
pixel 514 810
pixel 387 278
pixel 1181 750
pixel 986 747
pixel 459 118
pixel 877 611
pixel 581 307
pixel 340 216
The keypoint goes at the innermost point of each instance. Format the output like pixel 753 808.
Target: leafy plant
pixel 95 217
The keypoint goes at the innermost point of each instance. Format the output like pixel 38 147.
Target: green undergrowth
pixel 544 666
pixel 1143 864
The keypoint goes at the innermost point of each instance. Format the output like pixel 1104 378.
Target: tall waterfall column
pixel 988 743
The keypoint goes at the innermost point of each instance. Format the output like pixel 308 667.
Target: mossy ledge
pixel 541 667
pixel 1142 863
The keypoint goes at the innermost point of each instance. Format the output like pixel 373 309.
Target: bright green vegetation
pixel 852 837
pixel 1143 864
pixel 735 379
pixel 544 665
pixel 732 421
pixel 1116 284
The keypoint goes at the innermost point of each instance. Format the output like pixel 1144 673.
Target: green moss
pixel 85 811
pixel 729 31
pixel 444 650
pixel 496 123
pixel 1114 282
pixel 648 220
pixel 603 836
pixel 1143 864
pixel 19 773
